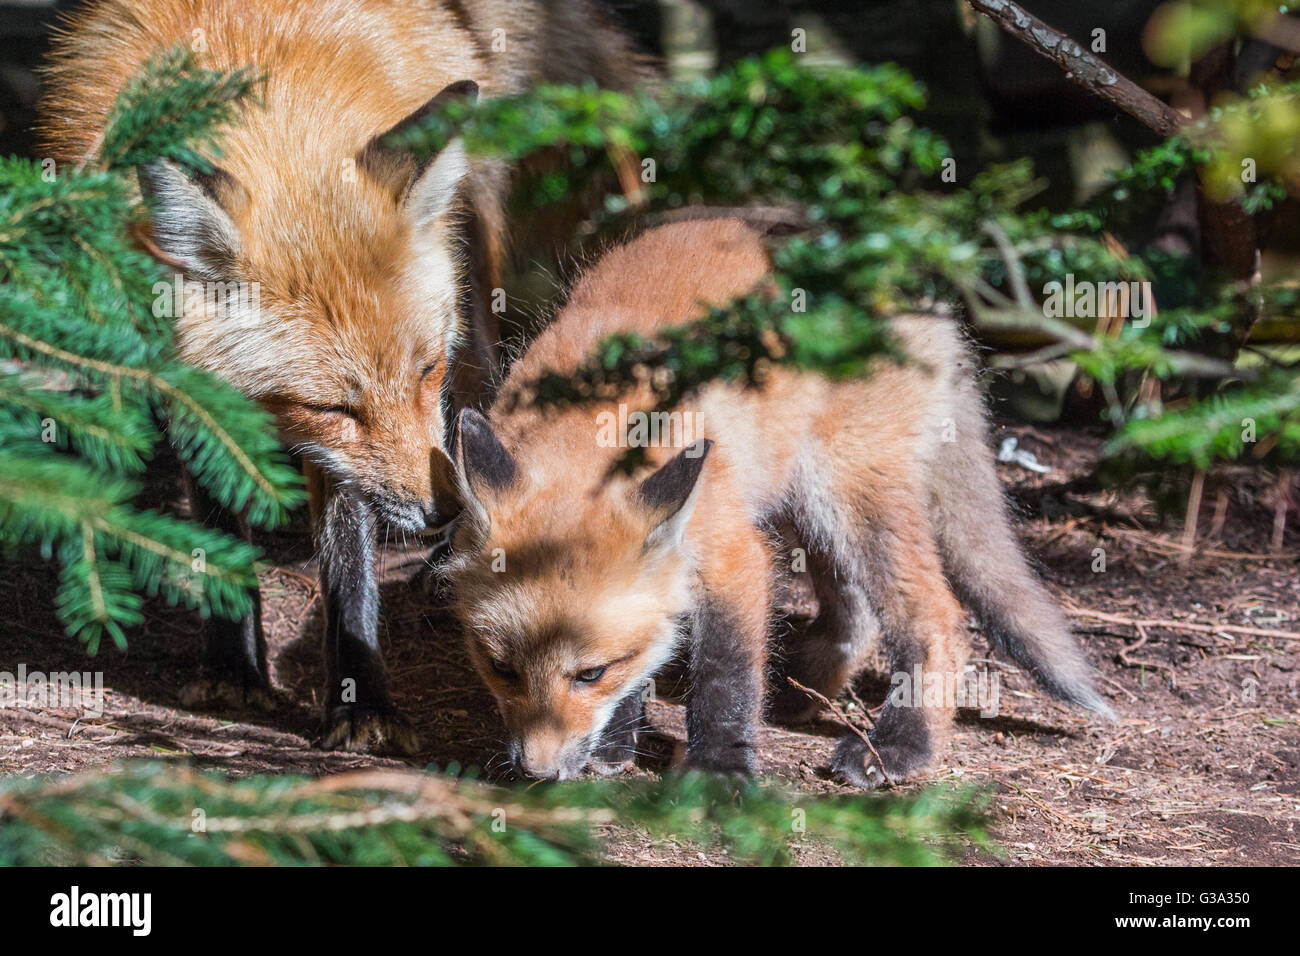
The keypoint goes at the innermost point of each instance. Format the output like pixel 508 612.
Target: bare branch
pixel 1081 66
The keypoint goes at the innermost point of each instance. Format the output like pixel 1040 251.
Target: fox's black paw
pixel 856 764
pixel 209 693
pixel 376 730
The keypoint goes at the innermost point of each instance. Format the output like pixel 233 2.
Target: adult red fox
pixel 358 254
pixel 576 584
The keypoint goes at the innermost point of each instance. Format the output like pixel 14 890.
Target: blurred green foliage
pixel 167 815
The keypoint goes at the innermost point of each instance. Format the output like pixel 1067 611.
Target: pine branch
pixel 1223 426
pixel 56 504
pixel 90 364
pixel 235 454
pixel 173 110
pixel 99 429
pixel 875 235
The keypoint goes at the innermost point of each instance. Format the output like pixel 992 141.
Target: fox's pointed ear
pixel 670 494
pixel 432 194
pixel 191 216
pixel 427 188
pixel 483 462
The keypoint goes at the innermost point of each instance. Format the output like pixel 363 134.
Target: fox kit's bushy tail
pixel 987 570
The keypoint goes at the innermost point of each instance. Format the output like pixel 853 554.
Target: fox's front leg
pixel 359 712
pixel 233 671
pixel 728 661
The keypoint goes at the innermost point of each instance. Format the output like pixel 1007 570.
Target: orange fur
pixel 357 297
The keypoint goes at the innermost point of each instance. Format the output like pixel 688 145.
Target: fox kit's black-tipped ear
pixel 428 188
pixel 191 216
pixel 484 461
pixel 670 494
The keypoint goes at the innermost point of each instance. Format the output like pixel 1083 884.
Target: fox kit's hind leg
pixel 878 573
pixel 359 713
pixel 729 657
pixel 826 653
pixel 898 567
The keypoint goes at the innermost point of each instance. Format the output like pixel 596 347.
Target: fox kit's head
pixel 572 588
pixel 327 285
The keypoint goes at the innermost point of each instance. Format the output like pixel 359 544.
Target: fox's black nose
pixel 537 773
pixel 439 512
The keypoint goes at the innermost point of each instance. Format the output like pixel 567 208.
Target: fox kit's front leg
pixel 359 712
pixel 724 702
pixel 618 747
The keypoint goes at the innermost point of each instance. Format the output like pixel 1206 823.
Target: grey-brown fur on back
pixel 553 41
pixel 985 565
pixel 528 43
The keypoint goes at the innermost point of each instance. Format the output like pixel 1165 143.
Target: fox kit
pixel 576 584
pixel 368 319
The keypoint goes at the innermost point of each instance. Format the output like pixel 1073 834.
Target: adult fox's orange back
pixel 575 584
pixel 359 255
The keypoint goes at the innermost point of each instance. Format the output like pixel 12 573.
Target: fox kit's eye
pixel 504 670
pixel 424 373
pixel 591 675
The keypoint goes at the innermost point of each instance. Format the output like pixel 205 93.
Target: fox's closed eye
pixel 591 674
pixel 504 670
pixel 343 410
pixel 424 373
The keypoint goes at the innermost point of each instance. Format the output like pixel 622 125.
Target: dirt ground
pixel 1203 766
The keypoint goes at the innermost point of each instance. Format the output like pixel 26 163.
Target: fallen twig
pixel 1162 545
pixel 1193 517
pixel 843 718
pixel 1182 625
pixel 1072 821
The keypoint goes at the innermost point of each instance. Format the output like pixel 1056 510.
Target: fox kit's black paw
pixel 617 751
pixel 208 693
pixel 739 759
pixel 377 730
pixel 902 742
pixel 791 707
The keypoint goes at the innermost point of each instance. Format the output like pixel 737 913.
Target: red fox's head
pixel 572 592
pixel 336 303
